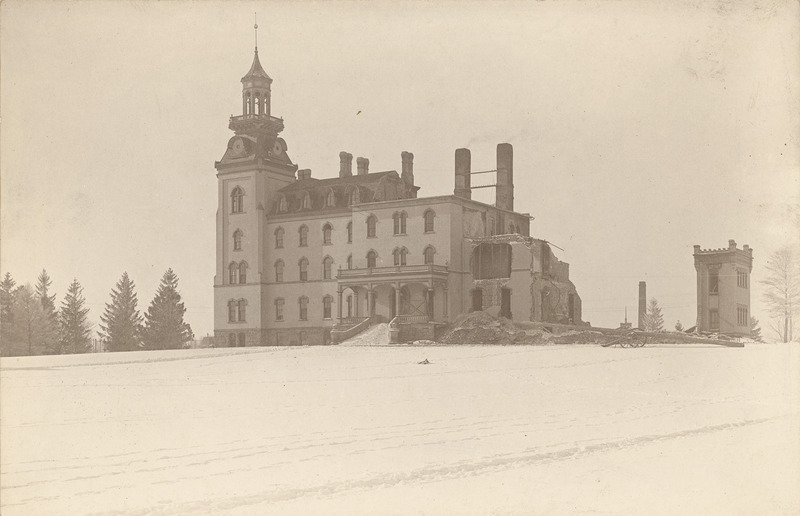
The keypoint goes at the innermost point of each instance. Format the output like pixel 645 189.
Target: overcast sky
pixel 639 128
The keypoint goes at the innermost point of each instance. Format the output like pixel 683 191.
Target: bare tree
pixel 782 293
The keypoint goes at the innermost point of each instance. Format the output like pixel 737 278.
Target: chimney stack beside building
pixel 407 173
pixel 642 303
pixel 345 164
pixel 363 166
pixel 463 169
pixel 504 194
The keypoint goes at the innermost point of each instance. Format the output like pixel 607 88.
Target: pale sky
pixel 639 128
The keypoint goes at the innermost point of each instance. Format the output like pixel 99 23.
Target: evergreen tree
pixel 49 324
pixel 75 329
pixel 164 325
pixel 653 320
pixel 678 326
pixel 7 314
pixel 121 322
pixel 755 330
pixel 28 323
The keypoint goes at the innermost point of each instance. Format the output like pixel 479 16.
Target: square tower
pixel 723 289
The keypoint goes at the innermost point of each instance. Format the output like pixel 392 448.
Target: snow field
pixel 368 430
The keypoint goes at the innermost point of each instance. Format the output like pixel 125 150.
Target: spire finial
pixel 255 28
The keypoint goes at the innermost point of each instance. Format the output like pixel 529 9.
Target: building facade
pixel 723 289
pixel 299 257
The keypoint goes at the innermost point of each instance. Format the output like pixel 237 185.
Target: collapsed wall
pixel 522 279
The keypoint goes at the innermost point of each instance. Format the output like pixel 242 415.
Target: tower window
pixel 372 221
pixel 327 301
pixel 742 279
pixel 326 234
pixel 372 259
pixel 428 253
pixel 303 269
pixel 279 271
pixel 279 238
pixel 303 302
pixel 713 319
pixel 233 273
pixel 327 265
pixel 243 272
pixel 237 240
pixel 429 216
pixel 713 282
pixel 303 232
pixel 279 309
pixel 237 200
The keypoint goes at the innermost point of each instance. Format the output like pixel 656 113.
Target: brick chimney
pixel 731 244
pixel 463 168
pixel 363 166
pixel 304 173
pixel 408 168
pixel 345 164
pixel 504 194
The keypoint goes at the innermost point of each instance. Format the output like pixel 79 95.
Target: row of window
pixel 399 255
pixel 742 280
pixel 302 308
pixel 742 316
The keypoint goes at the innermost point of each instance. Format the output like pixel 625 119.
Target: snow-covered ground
pixel 368 430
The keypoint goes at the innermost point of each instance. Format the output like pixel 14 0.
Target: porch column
pixel 370 303
pixel 339 306
pixel 429 303
pixel 397 300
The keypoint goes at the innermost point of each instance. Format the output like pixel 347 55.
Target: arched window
pixel 232 306
pixel 429 216
pixel 259 105
pixel 243 272
pixel 242 304
pixel 237 200
pixel 306 201
pixel 400 255
pixel 349 232
pixel 233 273
pixel 303 303
pixel 372 259
pixel 327 302
pixel 279 271
pixel 428 253
pixel 400 222
pixel 327 265
pixel 303 269
pixel 330 199
pixel 326 234
pixel 237 240
pixel 283 206
pixel 279 308
pixel 247 104
pixel 372 221
pixel 303 232
pixel 350 261
pixel 279 238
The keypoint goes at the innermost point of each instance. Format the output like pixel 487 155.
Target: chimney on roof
pixel 463 169
pixel 363 166
pixel 407 173
pixel 504 193
pixel 345 164
pixel 731 244
pixel 304 173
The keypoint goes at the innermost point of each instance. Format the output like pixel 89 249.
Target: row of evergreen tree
pixel 30 324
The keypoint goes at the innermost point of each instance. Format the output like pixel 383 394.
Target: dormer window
pixel 330 199
pixel 355 197
pixel 282 205
pixel 306 201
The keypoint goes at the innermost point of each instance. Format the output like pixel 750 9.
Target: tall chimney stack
pixel 363 166
pixel 642 303
pixel 345 164
pixel 504 193
pixel 463 169
pixel 407 173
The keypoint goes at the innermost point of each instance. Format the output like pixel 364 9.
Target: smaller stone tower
pixel 723 289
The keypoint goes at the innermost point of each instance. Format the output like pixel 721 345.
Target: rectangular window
pixel 231 312
pixel 713 319
pixel 713 283
pixel 742 316
pixel 742 279
pixel 326 308
pixel 303 311
pixel 279 310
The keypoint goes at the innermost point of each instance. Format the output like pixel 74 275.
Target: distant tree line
pixel 30 323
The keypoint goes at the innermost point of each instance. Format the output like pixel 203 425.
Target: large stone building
pixel 723 289
pixel 299 257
